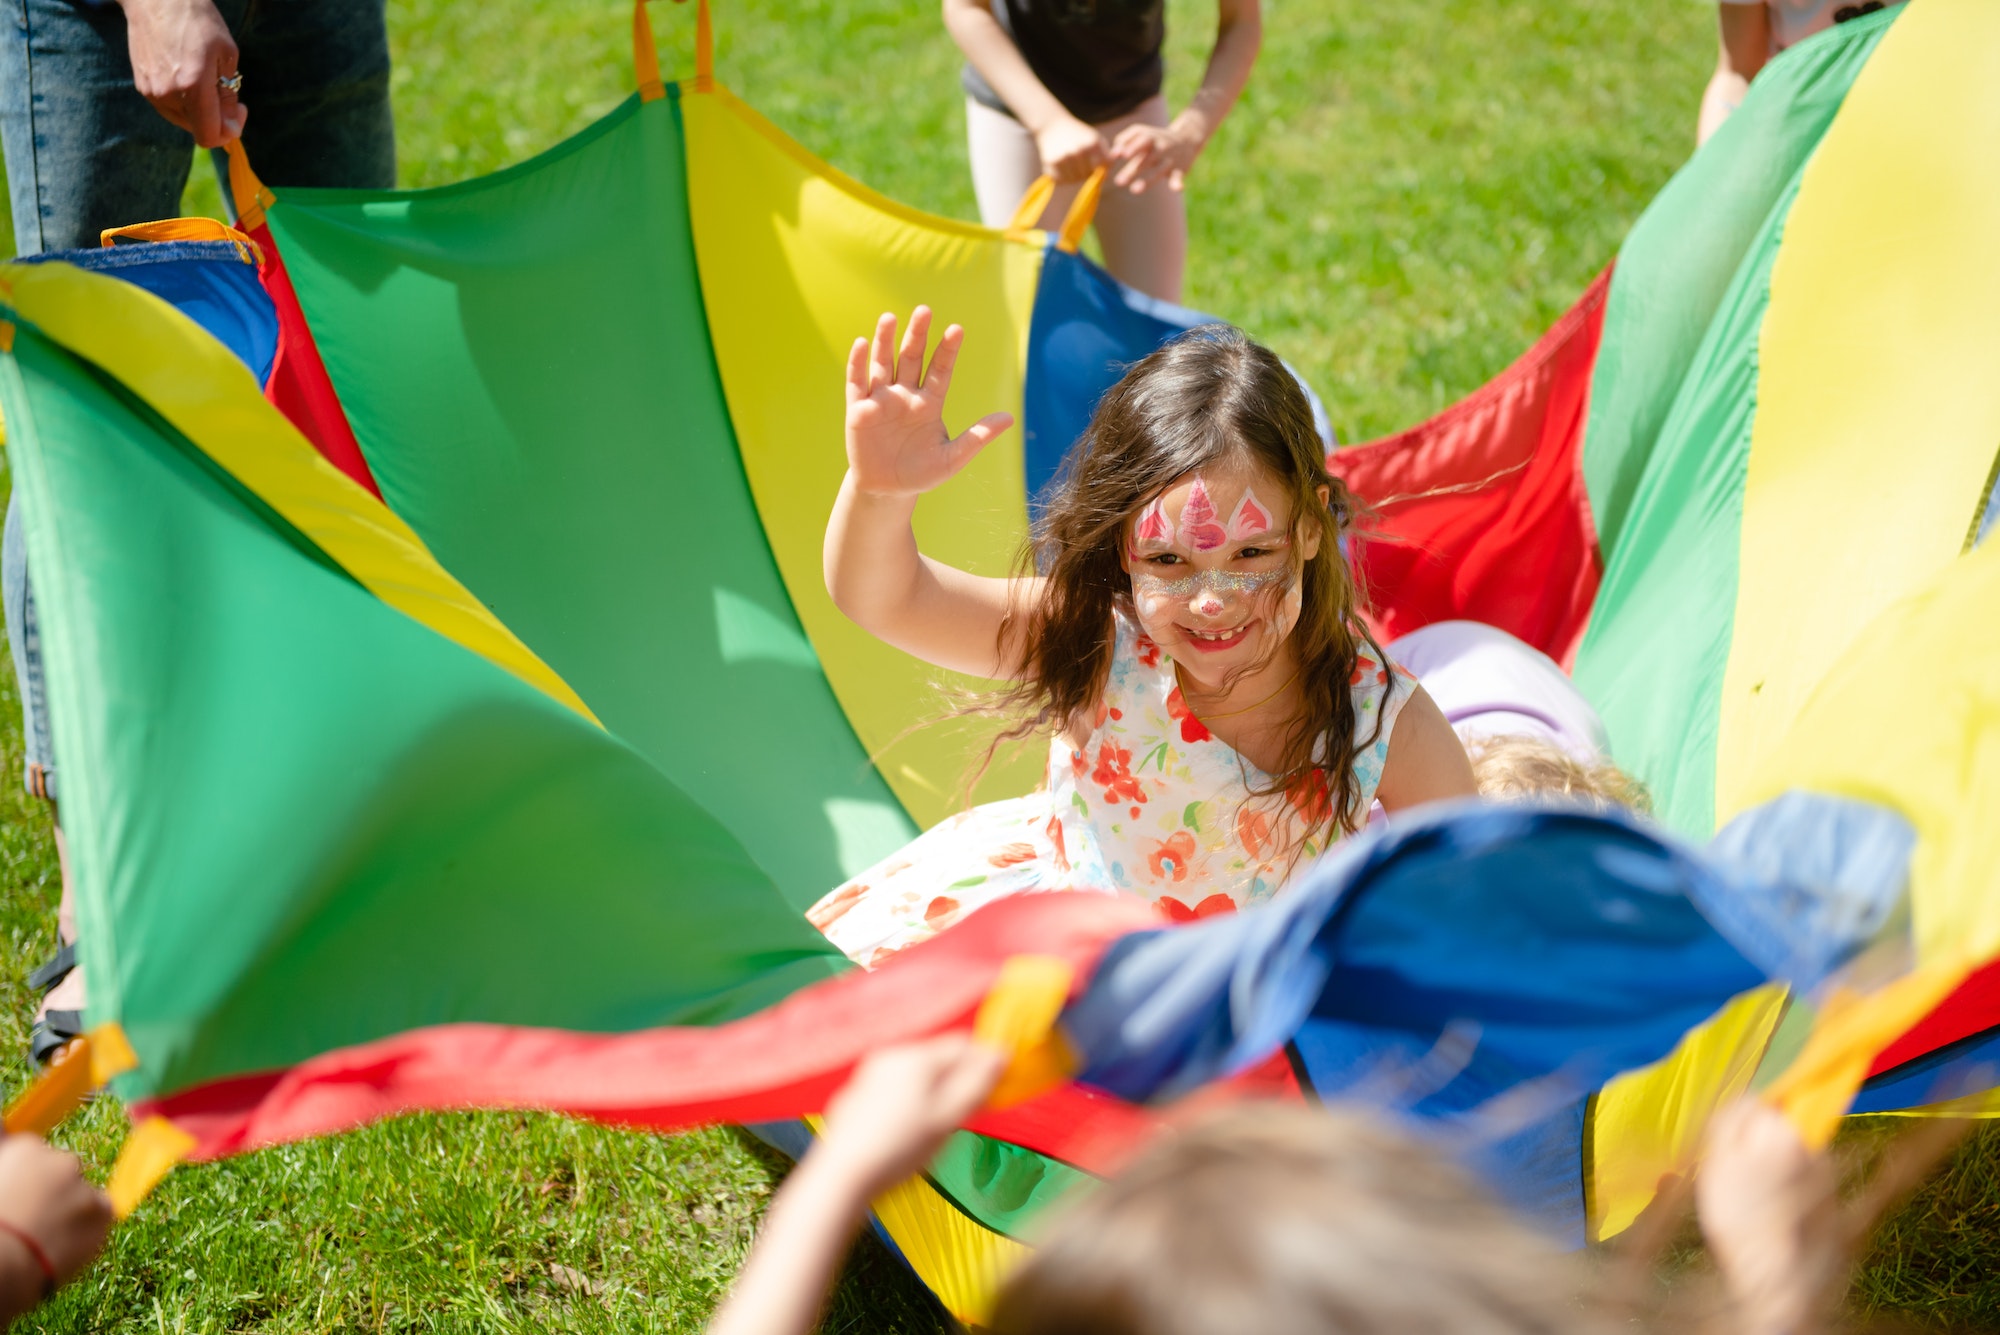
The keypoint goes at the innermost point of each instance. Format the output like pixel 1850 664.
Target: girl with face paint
pixel 1184 627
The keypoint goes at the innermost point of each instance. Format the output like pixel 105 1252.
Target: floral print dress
pixel 1152 805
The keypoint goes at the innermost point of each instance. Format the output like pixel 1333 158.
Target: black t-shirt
pixel 1100 58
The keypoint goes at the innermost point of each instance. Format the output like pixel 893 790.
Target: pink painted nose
pixel 1210 606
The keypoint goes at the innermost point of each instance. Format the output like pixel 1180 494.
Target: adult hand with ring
pixel 184 63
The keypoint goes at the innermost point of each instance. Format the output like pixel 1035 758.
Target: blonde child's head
pixel 1198 504
pixel 1513 766
pixel 1292 1221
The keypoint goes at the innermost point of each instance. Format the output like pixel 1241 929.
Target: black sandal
pixel 55 1029
pixel 57 968
pixel 52 1033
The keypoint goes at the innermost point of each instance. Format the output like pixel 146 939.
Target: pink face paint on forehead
pixel 1252 518
pixel 1199 532
pixel 1152 525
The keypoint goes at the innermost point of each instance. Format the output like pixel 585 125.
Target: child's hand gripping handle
pixel 897 442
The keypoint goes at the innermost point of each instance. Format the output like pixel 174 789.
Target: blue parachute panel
pixel 208 281
pixel 1479 971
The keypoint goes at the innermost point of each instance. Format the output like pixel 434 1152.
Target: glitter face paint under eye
pixel 1212 582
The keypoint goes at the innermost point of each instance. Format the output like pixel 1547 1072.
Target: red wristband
pixel 27 1240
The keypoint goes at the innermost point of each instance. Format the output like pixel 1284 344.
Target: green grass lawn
pixel 1407 196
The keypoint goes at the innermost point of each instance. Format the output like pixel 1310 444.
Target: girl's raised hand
pixel 897 443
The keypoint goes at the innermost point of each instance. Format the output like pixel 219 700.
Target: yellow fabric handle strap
pixel 249 193
pixel 1852 1028
pixel 646 54
pixel 1029 211
pixel 1081 210
pixel 149 1152
pixel 1019 1017
pixel 185 229
pixel 80 1067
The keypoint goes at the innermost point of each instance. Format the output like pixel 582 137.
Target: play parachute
pixel 450 713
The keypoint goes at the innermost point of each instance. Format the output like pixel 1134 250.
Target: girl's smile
pixel 1216 642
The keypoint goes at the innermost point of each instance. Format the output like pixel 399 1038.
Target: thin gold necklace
pixel 1232 713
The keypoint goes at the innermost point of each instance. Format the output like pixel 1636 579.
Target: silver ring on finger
pixel 230 83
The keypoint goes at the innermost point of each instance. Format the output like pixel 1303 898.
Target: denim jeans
pixel 85 152
pixel 25 641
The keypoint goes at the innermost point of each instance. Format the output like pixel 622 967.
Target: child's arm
pixel 1070 149
pixel 1745 47
pixel 1771 1216
pixel 1151 153
pixel 884 1125
pixel 897 449
pixel 1426 761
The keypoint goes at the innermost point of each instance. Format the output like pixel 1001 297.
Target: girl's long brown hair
pixel 1209 398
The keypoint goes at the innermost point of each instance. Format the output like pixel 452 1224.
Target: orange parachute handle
pixel 646 56
pixel 249 193
pixel 185 229
pixel 1081 210
pixel 81 1066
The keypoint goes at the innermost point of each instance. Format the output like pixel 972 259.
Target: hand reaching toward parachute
pixel 897 442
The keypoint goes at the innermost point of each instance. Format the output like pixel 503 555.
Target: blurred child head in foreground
pixel 1292 1219
pixel 1297 1220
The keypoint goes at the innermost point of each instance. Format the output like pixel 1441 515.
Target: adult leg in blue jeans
pixel 61 1016
pixel 86 150
pixel 101 108
pixel 316 80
